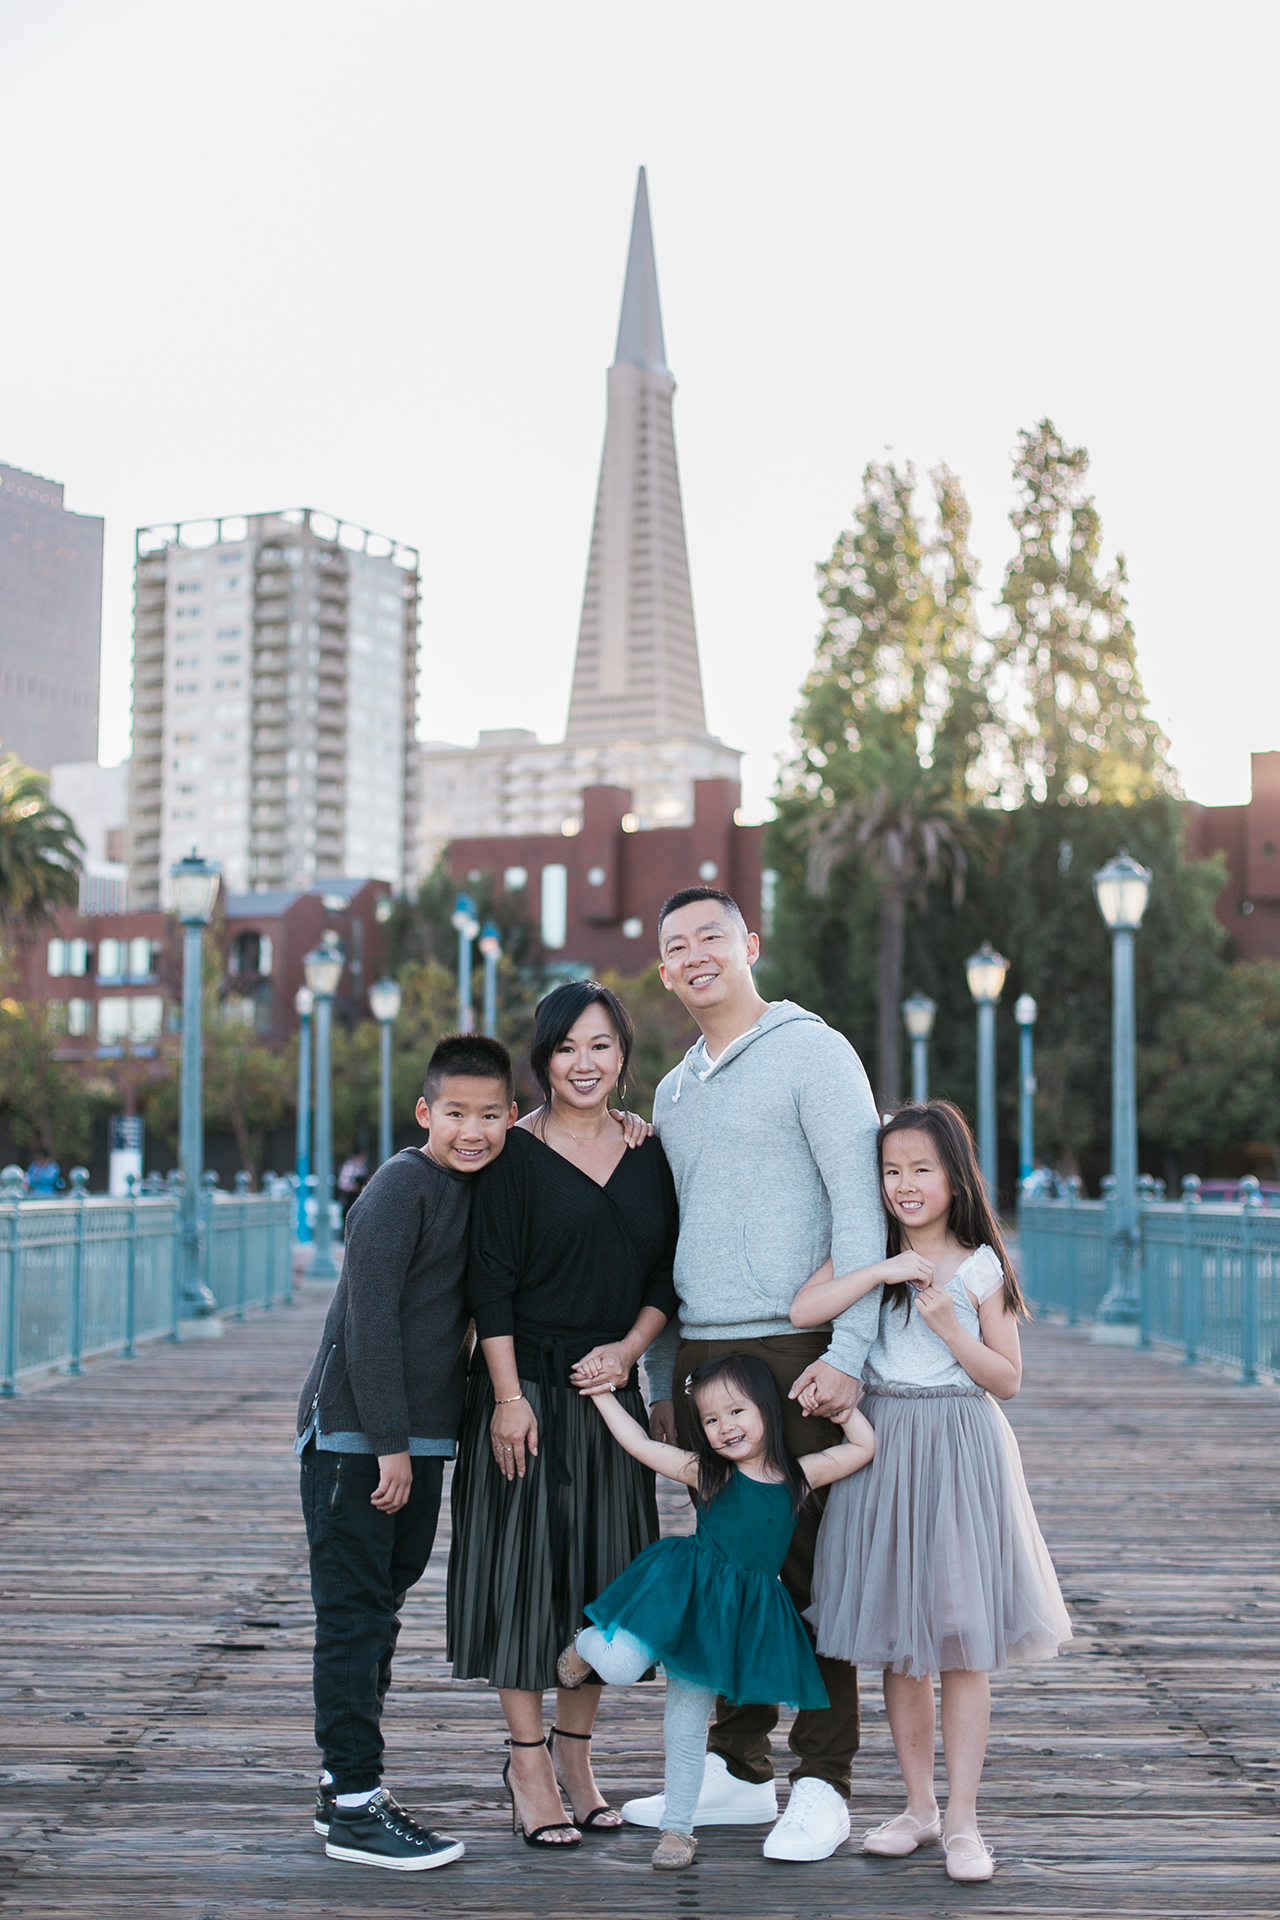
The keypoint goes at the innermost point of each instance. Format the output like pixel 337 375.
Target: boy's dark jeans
pixel 362 1565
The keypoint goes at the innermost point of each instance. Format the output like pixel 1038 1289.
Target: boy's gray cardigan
pixel 392 1363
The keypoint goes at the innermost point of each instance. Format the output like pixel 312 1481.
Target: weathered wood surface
pixel 155 1749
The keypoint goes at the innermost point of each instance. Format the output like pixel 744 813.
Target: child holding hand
pixel 932 1562
pixel 710 1606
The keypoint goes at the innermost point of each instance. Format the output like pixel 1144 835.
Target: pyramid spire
pixel 640 342
pixel 637 670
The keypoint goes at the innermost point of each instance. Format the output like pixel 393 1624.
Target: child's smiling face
pixel 732 1423
pixel 468 1119
pixel 916 1188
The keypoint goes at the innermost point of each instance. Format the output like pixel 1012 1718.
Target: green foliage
pixel 1212 1081
pixel 1071 642
pixel 40 1096
pixel 249 1089
pixel 40 850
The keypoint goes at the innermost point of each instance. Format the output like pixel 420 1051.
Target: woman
pixel 572 1243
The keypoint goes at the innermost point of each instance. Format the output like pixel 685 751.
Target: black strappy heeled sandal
pixel 588 1820
pixel 535 1839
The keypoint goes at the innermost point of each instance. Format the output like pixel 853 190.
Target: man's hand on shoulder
pixel 826 1392
pixel 395 1482
pixel 662 1422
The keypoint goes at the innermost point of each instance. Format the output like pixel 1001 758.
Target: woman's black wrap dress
pixel 562 1265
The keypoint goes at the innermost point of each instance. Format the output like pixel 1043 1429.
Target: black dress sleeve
pixel 660 1287
pixel 493 1269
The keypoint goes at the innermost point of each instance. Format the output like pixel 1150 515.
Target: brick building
pixel 595 893
pixel 1249 837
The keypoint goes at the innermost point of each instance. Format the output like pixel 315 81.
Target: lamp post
pixel 917 1015
pixel 1024 1012
pixel 464 919
pixel 985 971
pixel 384 1001
pixel 304 1003
pixel 1122 889
pixel 491 948
pixel 195 888
pixel 323 969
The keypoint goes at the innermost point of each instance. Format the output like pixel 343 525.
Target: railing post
pixel 1073 1250
pixel 11 1185
pixel 242 1266
pixel 131 1272
pixel 173 1185
pixel 1146 1198
pixel 1250 1329
pixel 79 1184
pixel 1191 1276
pixel 269 1292
pixel 208 1187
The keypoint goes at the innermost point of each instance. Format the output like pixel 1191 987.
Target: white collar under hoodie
pixel 772 1148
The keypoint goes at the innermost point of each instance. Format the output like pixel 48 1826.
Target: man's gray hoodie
pixel 773 1150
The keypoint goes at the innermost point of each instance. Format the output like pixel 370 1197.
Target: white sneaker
pixel 724 1801
pixel 815 1823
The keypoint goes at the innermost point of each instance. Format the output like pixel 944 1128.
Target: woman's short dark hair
pixel 745 1374
pixel 560 1012
pixel 972 1218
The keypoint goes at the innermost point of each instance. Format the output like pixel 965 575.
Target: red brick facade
pixel 616 880
pixel 1249 836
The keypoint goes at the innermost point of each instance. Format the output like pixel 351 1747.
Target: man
pixel 769 1127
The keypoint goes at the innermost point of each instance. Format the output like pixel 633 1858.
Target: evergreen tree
pixel 1089 736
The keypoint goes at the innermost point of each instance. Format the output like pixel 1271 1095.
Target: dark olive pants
pixel 824 1740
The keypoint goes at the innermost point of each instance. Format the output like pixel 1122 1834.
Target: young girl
pixel 710 1606
pixel 933 1562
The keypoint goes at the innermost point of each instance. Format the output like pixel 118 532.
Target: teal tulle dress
pixel 711 1605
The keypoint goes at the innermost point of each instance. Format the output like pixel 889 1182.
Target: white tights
pixel 621 1661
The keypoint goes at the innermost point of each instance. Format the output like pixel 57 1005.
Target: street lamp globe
pixel 463 916
pixel 1025 1010
pixel 195 888
pixel 1122 889
pixel 304 1003
pixel 384 999
pixel 491 942
pixel 985 971
pixel 917 1014
pixel 323 968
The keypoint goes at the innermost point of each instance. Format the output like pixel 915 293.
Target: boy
pixel 378 1417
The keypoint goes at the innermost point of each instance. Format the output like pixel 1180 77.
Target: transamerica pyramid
pixel 637 668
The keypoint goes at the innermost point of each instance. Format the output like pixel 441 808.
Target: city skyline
pixel 830 286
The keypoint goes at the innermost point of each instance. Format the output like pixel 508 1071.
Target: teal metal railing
pixel 84 1275
pixel 1208 1276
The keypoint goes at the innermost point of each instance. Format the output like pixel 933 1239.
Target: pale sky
pixel 369 258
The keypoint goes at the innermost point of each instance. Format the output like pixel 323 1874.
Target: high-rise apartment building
pixel 636 716
pixel 50 622
pixel 275 683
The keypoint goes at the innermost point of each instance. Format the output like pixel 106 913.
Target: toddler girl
pixel 710 1606
pixel 932 1562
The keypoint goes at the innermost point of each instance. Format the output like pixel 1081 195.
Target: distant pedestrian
pixel 377 1420
pixel 932 1561
pixel 44 1176
pixel 352 1182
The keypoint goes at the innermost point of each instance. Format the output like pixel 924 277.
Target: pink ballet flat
pixel 902 1835
pixel 976 1864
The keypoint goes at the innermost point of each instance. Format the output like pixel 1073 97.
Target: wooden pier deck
pixel 155 1745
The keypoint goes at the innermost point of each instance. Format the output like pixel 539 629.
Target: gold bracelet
pixel 509 1401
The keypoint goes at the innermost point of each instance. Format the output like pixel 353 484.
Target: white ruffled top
pixel 907 1352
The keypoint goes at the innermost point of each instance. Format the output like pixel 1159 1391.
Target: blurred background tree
pixel 40 850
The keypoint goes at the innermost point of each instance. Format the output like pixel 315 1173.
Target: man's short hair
pixel 686 898
pixel 469 1056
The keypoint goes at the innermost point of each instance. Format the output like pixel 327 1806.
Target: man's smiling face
pixel 706 955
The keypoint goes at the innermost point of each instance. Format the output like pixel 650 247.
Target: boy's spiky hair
pixel 470 1056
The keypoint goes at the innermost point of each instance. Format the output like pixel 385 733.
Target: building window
pixel 555 905
pixel 111 959
pixel 55 1016
pixel 142 959
pixel 113 1021
pixel 633 928
pixel 77 957
pixel 57 959
pixel 77 1018
pixel 146 1018
pixel 769 898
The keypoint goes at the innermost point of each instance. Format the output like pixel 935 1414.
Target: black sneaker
pixel 325 1797
pixel 382 1834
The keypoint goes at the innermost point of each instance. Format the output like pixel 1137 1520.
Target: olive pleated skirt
pixel 527 1555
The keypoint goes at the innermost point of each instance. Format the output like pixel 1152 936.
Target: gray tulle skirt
pixel 931 1559
pixel 527 1555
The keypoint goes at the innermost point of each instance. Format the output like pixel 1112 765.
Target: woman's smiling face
pixel 916 1188
pixel 585 1067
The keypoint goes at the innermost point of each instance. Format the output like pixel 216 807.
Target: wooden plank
pixel 155 1744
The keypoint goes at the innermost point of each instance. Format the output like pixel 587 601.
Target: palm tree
pixel 909 831
pixel 41 853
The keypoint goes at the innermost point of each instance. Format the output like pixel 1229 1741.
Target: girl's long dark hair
pixel 558 1013
pixel 972 1218
pixel 743 1373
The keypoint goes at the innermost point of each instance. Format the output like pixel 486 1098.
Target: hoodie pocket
pixel 761 1276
